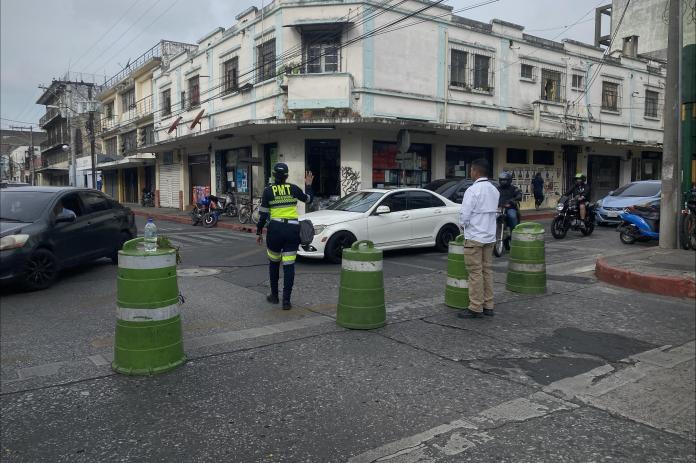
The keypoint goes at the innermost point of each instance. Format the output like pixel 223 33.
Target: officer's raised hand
pixel 308 178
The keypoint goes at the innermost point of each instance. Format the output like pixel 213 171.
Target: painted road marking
pixel 456 437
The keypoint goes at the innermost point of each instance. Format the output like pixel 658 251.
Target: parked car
pixel 608 208
pixel 46 229
pixel 392 219
pixel 452 188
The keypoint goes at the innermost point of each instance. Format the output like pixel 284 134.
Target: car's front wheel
pixel 337 243
pixel 41 270
pixel 445 235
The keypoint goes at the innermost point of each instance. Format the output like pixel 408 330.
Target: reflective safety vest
pixel 280 201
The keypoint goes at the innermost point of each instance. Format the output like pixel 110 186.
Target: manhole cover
pixel 197 272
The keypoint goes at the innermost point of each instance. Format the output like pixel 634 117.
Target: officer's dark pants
pixel 282 242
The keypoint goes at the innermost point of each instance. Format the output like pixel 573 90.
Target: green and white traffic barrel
pixel 361 295
pixel 148 325
pixel 457 289
pixel 527 264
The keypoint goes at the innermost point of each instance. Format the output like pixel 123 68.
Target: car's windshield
pixel 638 189
pixel 360 201
pixel 23 206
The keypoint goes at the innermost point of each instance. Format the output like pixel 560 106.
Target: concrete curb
pixel 537 216
pixel 186 220
pixel 656 284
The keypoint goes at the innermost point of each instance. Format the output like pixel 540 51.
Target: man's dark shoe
pixel 468 313
pixel 287 306
pixel 272 299
pixel 488 312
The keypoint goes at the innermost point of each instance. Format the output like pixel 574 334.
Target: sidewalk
pixel 669 272
pixel 179 216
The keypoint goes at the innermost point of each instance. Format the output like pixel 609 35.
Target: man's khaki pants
pixel 479 262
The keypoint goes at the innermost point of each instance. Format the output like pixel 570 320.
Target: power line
pixel 16 121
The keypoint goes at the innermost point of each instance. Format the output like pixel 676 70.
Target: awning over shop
pixel 128 162
pixel 53 170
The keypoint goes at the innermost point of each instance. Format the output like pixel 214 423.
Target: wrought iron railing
pixel 141 109
pixel 51 114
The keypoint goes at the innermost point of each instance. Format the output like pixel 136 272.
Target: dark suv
pixel 46 229
pixel 452 188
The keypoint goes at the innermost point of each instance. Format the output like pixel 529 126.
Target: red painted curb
pixel 540 216
pixel 187 220
pixel 656 284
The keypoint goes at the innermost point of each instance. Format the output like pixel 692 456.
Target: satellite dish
pixel 197 119
pixel 174 125
pixel 403 141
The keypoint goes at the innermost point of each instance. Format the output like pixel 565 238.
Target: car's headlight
pixel 319 229
pixel 13 242
pixel 599 203
pixel 560 207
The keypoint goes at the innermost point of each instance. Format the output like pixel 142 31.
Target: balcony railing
pixel 141 109
pixel 52 143
pixel 52 160
pixel 51 114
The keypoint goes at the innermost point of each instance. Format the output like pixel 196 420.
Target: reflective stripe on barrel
pixel 148 325
pixel 527 265
pixel 457 287
pixel 361 295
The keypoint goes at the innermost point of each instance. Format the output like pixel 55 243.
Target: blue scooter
pixel 639 223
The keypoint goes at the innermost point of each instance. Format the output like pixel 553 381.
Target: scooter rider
pixel 580 191
pixel 279 209
pixel 510 196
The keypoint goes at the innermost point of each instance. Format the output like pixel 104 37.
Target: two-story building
pixel 127 122
pixel 68 101
pixel 365 94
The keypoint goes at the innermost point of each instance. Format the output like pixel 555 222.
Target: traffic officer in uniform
pixel 279 209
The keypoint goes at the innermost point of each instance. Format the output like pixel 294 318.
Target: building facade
pixel 69 129
pixel 367 95
pixel 127 122
pixel 15 154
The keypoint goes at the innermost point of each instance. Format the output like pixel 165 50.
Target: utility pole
pixel 91 139
pixel 31 150
pixel 669 204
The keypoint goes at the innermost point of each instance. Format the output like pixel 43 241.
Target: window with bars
pixel 265 60
pixel 230 72
pixel 129 141
pixel 110 146
pixel 471 71
pixel 577 82
pixel 321 52
pixel 551 85
pixel 527 71
pixel 166 102
pixel 109 110
pixel 194 92
pixel 651 102
pixel 128 100
pixel 610 96
pixel 458 68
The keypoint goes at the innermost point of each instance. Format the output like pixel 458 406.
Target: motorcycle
pixel 568 218
pixel 639 224
pixel 502 233
pixel 207 211
pixel 148 199
pixel 688 222
pixel 229 205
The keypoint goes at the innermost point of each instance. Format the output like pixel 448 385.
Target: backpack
pixel 306 232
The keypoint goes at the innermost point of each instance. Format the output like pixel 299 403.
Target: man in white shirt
pixel 477 219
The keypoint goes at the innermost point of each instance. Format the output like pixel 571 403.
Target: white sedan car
pixel 392 219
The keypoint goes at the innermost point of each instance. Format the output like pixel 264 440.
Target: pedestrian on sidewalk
pixel 279 209
pixel 478 220
pixel 538 187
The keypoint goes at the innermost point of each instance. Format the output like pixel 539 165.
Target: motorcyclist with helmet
pixel 581 192
pixel 510 196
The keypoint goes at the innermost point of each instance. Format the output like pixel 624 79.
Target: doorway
pixel 323 159
pixel 570 166
pixel 199 175
pixel 130 185
pixel 602 175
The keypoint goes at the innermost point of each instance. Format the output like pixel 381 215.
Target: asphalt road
pixel 586 372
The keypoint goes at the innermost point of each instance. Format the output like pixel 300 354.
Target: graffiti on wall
pixel 350 180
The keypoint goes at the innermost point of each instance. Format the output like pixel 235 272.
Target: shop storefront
pixel 393 169
pixel 323 159
pixel 647 166
pixel 199 176
pixel 458 159
pixel 524 164
pixel 603 175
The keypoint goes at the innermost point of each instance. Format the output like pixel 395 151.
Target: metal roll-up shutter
pixel 169 185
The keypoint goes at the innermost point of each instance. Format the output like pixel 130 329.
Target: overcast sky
pixel 40 39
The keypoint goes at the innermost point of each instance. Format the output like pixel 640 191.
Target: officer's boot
pixel 274 274
pixel 288 281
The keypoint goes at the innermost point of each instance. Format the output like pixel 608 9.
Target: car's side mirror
pixel 65 218
pixel 382 210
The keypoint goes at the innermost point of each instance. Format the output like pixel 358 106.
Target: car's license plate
pixel 612 214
